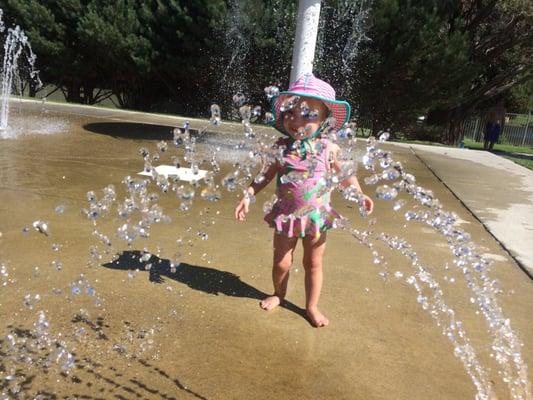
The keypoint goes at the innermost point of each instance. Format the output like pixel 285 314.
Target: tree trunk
pixel 88 94
pixel 454 133
pixel 453 122
pixel 32 89
pixel 73 94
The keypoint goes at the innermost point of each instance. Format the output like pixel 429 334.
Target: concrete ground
pixel 198 333
pixel 496 190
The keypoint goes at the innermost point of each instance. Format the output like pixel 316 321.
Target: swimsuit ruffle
pixel 309 222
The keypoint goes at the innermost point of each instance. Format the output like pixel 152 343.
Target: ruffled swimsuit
pixel 303 205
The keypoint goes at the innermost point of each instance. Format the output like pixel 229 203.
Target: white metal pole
pixel 527 128
pixel 477 129
pixel 303 52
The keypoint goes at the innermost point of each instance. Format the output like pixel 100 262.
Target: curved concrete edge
pixel 496 191
pixel 93 109
pixel 199 124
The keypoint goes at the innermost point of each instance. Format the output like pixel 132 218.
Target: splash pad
pixel 173 328
pixel 101 325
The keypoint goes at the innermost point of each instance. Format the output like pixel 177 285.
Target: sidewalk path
pixel 496 190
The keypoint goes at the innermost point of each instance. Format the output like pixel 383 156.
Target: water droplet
pixel 304 109
pixel 144 153
pixel 390 174
pixel 230 181
pixel 385 192
pixel 289 103
pixel 331 122
pixel 368 162
pixel 58 265
pixel 250 197
pixel 162 146
pixel 215 118
pixel 145 257
pixel 203 235
pixel 384 136
pixel 372 179
pixel 91 197
pixel 245 113
pixel 313 114
pixel 41 227
pixel 256 112
pixel 271 91
pixel 398 204
pixel 269 118
pixel 385 161
pixel 185 193
pixel 209 193
pixel 239 99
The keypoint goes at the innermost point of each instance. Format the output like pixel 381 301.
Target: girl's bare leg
pixel 313 254
pixel 283 250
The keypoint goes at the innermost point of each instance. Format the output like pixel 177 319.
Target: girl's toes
pixel 270 302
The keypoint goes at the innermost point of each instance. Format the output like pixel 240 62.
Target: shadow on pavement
pixel 131 130
pixel 503 153
pixel 88 374
pixel 208 280
pixel 522 156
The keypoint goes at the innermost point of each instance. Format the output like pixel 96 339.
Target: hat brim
pixel 339 109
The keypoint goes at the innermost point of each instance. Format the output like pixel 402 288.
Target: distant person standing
pixel 494 125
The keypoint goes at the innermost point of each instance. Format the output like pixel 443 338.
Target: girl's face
pixel 304 118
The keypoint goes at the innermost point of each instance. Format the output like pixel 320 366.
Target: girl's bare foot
pixel 317 318
pixel 270 302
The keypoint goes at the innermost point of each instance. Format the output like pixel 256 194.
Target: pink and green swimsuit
pixel 303 208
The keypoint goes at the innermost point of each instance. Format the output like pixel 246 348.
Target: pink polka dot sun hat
pixel 309 85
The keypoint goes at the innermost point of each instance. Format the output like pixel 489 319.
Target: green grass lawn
pixel 517 154
pixel 520 155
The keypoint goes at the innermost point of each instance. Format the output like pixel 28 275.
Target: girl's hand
pixel 368 203
pixel 242 209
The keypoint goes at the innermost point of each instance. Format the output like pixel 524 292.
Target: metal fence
pixel 517 129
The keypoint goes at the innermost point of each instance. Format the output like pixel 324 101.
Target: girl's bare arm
pixel 269 174
pixel 243 207
pixel 350 181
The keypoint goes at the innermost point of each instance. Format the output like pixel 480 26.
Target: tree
pixel 185 36
pixel 520 99
pixel 142 52
pixel 120 56
pixel 443 59
pixel 257 39
pixel 500 46
pixel 51 31
pixel 411 63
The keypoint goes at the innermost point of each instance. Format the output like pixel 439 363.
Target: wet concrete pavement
pixel 199 333
pixel 497 191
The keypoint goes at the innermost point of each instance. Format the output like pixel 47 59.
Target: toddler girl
pixel 302 209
